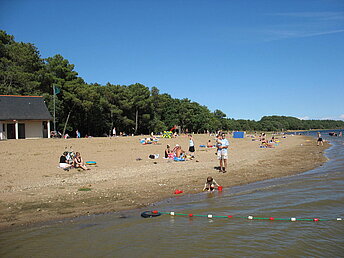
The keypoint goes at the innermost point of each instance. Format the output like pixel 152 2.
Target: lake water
pixel 318 193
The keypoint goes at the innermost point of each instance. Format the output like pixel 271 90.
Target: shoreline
pixel 38 194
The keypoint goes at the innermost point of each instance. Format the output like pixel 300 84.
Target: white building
pixel 23 117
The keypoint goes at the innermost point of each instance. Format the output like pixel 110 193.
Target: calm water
pixel 318 193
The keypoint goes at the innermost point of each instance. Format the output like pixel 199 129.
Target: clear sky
pixel 247 58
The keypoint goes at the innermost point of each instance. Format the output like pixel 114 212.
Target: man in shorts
pixel 222 152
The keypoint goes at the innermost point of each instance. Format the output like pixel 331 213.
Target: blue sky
pixel 246 58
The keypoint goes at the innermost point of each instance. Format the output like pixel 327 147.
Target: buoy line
pixel 155 213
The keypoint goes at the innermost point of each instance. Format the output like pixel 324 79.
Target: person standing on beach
pixel 320 140
pixel 222 152
pixel 114 132
pixel 191 146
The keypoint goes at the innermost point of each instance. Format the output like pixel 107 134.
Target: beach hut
pixel 238 134
pixel 23 117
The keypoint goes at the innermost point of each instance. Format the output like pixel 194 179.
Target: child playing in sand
pixel 210 184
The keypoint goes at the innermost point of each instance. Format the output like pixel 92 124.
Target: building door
pixel 45 129
pixel 2 131
pixel 21 131
pixel 11 133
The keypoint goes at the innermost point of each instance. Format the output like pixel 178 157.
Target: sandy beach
pixel 34 189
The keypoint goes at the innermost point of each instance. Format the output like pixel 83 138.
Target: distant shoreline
pixel 34 190
pixel 314 130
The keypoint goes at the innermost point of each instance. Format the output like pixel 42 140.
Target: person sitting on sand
pixel 179 152
pixel 262 137
pixel 175 148
pixel 209 144
pixel 168 151
pixel 210 184
pixel 64 161
pixel 78 162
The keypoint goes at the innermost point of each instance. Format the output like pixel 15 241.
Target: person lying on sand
pixel 267 144
pixel 78 162
pixel 210 184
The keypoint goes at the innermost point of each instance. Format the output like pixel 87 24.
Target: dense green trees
pixel 20 67
pixel 94 109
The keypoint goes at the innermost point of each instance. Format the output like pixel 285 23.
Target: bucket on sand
pixel 220 188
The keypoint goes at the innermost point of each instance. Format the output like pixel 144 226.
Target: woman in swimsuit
pixel 167 151
pixel 78 162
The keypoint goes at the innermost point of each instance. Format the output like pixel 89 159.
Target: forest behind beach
pixel 95 109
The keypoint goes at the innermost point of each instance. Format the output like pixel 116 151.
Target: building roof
pixel 23 108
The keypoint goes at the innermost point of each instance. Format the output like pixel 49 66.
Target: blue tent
pixel 238 134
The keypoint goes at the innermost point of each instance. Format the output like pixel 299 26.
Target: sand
pixel 33 189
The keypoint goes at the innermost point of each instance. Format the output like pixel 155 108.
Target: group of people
pixel 178 152
pixel 265 143
pixel 268 143
pixel 114 133
pixel 57 134
pixel 153 139
pixel 221 145
pixel 68 160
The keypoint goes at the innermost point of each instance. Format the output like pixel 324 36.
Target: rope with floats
pixel 155 213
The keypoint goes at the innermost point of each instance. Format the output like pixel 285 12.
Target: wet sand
pixel 34 189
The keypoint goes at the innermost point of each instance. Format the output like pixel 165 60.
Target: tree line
pixel 94 109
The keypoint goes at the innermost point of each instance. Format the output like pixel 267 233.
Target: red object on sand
pixel 220 188
pixel 178 191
